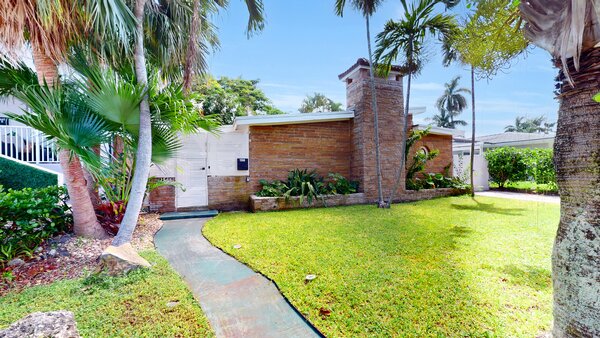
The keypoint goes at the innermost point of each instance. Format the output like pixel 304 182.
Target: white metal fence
pixel 27 144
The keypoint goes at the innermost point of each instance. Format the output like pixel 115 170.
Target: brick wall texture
pixel 345 147
pixel 229 193
pixel 443 143
pixel 275 150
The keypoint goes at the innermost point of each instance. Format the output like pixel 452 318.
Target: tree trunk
pixel 401 171
pixel 576 254
pixel 472 130
pixel 380 202
pixel 144 150
pixel 84 216
pixel 192 51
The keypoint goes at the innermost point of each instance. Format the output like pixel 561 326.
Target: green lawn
pixel 446 267
pixel 133 306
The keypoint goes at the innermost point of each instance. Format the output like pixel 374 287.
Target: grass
pixel 526 186
pixel 131 306
pixel 446 267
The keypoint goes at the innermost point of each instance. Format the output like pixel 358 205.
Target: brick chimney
pixel 390 104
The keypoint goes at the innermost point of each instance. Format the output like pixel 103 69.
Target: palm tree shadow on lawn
pixel 489 208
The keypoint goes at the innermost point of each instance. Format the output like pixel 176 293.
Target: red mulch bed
pixel 68 257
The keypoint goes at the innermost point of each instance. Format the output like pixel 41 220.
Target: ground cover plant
pixel 447 267
pixel 130 306
pixel 28 217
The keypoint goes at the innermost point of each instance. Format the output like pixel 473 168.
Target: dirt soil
pixel 67 257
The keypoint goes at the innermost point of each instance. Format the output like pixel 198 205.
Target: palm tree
pixel 320 103
pixel 50 26
pixel 567 30
pixel 144 148
pixel 406 39
pixel 452 101
pixel 445 119
pixel 534 125
pixel 367 8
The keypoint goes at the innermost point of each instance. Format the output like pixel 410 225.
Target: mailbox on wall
pixel 242 164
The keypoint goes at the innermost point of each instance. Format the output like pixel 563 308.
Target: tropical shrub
pixel 15 175
pixel 506 164
pixel 514 165
pixel 434 181
pixel 339 185
pixel 540 165
pixel 30 216
pixel 110 215
pixel 307 184
pixel 272 189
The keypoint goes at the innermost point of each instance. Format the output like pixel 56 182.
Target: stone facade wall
pixel 275 150
pixel 390 107
pixel 226 193
pixel 443 143
pixel 426 194
pixel 280 203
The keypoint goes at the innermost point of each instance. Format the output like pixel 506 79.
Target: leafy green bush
pixel 540 165
pixel 15 175
pixel 434 181
pixel 28 217
pixel 307 184
pixel 272 189
pixel 339 185
pixel 517 165
pixel 506 164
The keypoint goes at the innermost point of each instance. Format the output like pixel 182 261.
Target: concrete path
pixel 237 301
pixel 520 196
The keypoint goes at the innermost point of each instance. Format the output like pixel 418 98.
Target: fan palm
pixel 50 26
pixel 143 10
pixel 405 39
pixel 568 30
pixel 367 8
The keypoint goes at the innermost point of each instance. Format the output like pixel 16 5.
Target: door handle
pixel 203 168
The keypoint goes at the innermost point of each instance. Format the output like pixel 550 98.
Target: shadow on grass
pixel 489 208
pixel 534 277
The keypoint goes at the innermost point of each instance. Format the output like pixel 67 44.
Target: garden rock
pixel 16 262
pixel 53 253
pixel 57 324
pixel 117 260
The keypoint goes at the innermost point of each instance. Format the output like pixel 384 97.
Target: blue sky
pixel 304 47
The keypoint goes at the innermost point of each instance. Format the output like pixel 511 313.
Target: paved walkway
pixel 237 301
pixel 520 196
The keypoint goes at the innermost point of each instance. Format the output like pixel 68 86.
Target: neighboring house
pixel 222 171
pixel 461 151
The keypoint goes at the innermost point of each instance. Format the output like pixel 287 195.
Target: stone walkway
pixel 237 301
pixel 520 196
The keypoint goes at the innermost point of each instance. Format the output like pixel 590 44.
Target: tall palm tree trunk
pixel 85 222
pixel 192 50
pixel 144 151
pixel 472 130
pixel 401 171
pixel 576 253
pixel 380 202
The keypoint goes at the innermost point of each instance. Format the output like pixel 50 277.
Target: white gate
pixel 191 172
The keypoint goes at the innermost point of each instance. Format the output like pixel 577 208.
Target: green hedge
pixel 509 164
pixel 17 176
